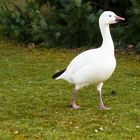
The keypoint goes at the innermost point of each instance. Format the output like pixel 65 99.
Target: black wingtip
pixel 58 74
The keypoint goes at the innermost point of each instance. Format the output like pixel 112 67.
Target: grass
pixel 35 107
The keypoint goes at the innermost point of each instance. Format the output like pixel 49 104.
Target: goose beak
pixel 118 18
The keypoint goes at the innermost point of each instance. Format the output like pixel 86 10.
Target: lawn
pixel 35 107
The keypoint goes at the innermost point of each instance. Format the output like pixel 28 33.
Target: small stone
pixel 16 132
pixel 95 130
pixel 114 123
pixel 137 126
pixel 76 127
pixel 101 129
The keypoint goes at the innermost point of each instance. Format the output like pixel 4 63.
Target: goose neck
pixel 106 36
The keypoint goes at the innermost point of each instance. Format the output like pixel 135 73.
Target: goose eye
pixel 109 15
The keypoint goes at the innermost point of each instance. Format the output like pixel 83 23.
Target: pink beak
pixel 117 18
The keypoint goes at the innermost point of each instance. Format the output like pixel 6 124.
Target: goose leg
pixel 99 89
pixel 74 105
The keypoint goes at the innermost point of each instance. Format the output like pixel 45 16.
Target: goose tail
pixel 58 75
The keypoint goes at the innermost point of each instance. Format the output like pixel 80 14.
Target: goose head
pixel 109 17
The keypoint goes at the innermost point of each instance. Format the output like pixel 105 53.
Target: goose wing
pixel 79 62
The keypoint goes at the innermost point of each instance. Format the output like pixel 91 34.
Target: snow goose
pixel 93 66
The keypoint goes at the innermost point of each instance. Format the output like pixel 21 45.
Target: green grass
pixel 35 107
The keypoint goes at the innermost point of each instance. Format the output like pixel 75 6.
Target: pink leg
pixel 74 105
pixel 102 107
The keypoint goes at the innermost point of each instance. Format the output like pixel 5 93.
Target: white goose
pixel 93 66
